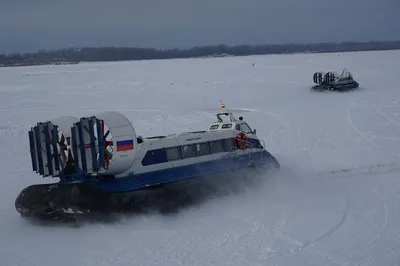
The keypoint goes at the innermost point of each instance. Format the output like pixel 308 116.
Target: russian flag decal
pixel 125 145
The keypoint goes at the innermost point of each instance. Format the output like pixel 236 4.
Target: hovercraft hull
pixel 93 199
pixel 59 201
pixel 336 87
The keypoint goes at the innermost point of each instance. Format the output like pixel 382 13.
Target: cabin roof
pixel 228 123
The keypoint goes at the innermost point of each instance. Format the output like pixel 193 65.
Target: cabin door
pixel 245 128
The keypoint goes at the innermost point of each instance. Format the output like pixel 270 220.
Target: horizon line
pixel 192 47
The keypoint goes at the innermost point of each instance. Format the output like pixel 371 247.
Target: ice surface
pixel 335 201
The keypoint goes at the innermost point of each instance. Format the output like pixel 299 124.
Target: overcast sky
pixel 29 25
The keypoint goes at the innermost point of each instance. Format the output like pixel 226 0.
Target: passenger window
pixel 154 157
pixel 173 154
pixel 246 128
pixel 214 127
pixel 188 151
pixel 202 149
pixel 229 144
pixel 237 127
pixel 226 125
pixel 216 146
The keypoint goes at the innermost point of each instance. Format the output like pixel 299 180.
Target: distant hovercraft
pixel 333 81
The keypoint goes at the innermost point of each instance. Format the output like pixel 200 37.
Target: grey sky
pixel 27 25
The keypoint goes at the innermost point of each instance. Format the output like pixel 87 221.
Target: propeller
pixel 108 154
pixel 64 144
pixel 64 149
pixel 108 144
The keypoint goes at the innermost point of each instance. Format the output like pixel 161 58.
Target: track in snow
pixel 334 202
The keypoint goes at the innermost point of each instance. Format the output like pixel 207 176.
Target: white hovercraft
pixel 334 81
pixel 100 159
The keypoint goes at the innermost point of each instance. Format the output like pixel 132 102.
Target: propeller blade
pixel 86 129
pixel 106 135
pixel 109 143
pixel 63 158
pixel 106 159
pixel 109 154
pixel 63 146
pixel 62 139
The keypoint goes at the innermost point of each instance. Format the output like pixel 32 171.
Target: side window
pixel 188 151
pixel 226 126
pixel 246 128
pixel 173 153
pixel 202 149
pixel 237 127
pixel 216 146
pixel 214 127
pixel 229 144
pixel 154 157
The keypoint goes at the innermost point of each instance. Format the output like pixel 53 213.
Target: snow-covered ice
pixel 336 200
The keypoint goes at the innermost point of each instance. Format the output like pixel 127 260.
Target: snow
pixel 334 202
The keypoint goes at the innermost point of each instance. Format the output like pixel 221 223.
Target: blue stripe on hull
pixel 139 181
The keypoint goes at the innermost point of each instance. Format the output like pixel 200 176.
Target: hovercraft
pixel 100 161
pixel 333 81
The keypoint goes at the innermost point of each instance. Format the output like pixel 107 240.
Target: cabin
pixel 220 137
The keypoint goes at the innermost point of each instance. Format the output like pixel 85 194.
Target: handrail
pixel 251 147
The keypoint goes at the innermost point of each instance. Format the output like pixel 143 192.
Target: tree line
pixel 96 54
